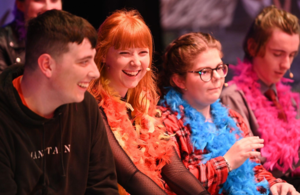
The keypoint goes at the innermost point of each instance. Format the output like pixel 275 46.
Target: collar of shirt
pixel 264 87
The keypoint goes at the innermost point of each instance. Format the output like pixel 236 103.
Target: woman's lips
pixel 131 73
pixel 215 88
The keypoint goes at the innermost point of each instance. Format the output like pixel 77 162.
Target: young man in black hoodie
pixel 52 139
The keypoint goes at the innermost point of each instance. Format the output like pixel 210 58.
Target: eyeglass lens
pixel 207 73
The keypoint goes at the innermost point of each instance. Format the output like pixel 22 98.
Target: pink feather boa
pixel 281 139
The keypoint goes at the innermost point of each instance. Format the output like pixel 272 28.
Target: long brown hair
pixel 121 30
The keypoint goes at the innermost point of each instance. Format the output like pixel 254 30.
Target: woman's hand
pixel 283 189
pixel 242 150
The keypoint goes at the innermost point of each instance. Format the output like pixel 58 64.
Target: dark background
pixel 231 36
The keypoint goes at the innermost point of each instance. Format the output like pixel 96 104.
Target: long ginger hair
pixel 122 30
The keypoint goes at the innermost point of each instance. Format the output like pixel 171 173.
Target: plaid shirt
pixel 214 173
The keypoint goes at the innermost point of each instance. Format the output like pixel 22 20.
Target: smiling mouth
pixel 83 85
pixel 131 73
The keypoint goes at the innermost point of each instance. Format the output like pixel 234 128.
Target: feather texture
pixel 146 147
pixel 282 139
pixel 217 137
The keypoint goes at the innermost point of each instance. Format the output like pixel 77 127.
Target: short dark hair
pixel 52 31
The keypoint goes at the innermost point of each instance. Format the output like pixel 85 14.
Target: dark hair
pixel 180 53
pixel 262 28
pixel 52 31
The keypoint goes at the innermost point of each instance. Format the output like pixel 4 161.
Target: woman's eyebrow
pixel 201 68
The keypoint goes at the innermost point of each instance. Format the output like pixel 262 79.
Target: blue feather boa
pixel 217 142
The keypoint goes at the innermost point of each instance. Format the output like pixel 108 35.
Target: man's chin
pixel 77 100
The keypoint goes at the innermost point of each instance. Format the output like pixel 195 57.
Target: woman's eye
pixel 220 68
pixel 124 52
pixel 203 72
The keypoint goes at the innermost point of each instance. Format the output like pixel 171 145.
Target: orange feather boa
pixel 145 142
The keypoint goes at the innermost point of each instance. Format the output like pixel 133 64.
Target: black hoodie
pixel 68 154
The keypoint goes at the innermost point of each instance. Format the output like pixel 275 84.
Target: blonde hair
pixel 121 30
pixel 262 28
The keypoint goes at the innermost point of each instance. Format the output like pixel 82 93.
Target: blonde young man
pixel 261 95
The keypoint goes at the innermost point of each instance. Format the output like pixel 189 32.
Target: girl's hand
pixel 242 150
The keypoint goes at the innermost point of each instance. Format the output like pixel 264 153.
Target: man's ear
pixel 179 81
pixel 20 5
pixel 46 64
pixel 251 46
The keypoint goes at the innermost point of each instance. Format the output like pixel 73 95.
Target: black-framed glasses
pixel 207 73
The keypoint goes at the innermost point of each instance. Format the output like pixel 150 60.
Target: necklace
pixel 217 142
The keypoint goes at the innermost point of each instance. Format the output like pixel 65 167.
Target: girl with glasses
pixel 212 141
pixel 126 91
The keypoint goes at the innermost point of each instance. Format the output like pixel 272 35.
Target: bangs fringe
pixel 132 34
pixel 123 30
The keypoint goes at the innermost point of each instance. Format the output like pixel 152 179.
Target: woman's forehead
pixel 210 58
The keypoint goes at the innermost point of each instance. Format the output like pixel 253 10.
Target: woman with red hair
pixel 127 96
